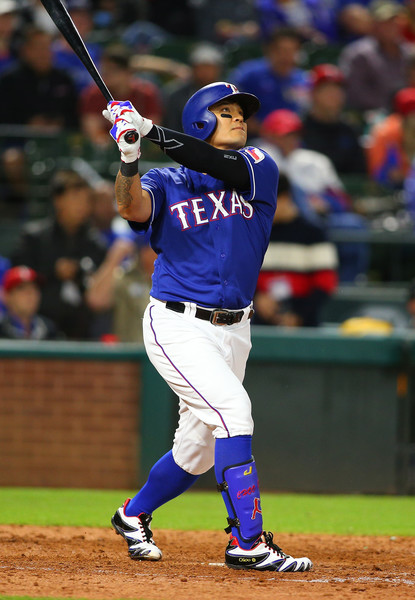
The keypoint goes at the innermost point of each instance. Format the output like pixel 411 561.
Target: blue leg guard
pixel 240 489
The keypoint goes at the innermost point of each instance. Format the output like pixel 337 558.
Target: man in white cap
pixel 206 62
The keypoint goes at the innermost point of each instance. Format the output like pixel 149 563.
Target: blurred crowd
pixel 336 81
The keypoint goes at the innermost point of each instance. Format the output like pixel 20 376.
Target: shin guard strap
pixel 232 523
pixel 222 487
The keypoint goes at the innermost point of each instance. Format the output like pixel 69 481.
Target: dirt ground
pixel 93 563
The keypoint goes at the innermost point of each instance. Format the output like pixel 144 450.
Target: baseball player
pixel 210 224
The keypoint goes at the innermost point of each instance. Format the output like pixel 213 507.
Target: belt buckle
pixel 221 316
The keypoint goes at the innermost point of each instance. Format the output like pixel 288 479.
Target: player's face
pixel 230 131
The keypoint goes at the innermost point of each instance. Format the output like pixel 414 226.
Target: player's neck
pixel 226 146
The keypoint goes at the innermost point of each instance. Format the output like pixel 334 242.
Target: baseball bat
pixel 66 26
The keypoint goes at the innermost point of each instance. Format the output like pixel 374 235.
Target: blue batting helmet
pixel 199 121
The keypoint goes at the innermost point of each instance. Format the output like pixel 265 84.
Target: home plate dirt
pixel 69 562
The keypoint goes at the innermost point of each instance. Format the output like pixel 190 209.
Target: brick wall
pixel 69 423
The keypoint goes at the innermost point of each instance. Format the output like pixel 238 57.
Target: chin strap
pixel 240 487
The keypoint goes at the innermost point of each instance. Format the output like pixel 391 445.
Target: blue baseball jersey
pixel 210 239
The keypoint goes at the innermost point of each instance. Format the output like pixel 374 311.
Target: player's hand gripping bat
pixel 66 26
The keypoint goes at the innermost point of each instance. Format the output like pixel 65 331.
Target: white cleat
pixel 263 556
pixel 137 533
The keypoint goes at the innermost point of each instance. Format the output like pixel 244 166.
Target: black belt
pixel 217 316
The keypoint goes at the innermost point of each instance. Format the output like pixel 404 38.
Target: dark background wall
pixel 332 413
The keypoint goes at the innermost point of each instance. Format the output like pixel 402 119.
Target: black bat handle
pixel 131 137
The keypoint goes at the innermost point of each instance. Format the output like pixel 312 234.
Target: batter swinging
pixel 210 223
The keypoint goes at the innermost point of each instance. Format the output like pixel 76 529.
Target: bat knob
pixel 131 137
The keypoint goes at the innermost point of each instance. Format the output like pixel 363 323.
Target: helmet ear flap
pixel 200 129
pixel 197 119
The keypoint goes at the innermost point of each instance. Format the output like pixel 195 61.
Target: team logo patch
pixel 233 88
pixel 255 153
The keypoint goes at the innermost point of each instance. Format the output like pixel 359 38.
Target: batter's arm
pixel 227 165
pixel 133 203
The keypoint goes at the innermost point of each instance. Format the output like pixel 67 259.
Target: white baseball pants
pixel 204 364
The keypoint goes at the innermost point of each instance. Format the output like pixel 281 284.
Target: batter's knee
pixel 197 462
pixel 237 421
pixel 193 445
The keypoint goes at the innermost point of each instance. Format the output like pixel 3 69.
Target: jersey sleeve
pixel 263 174
pixel 153 183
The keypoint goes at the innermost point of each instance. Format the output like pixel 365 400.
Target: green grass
pixel 288 513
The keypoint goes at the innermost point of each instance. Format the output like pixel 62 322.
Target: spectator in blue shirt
pixel 275 78
pixel 315 20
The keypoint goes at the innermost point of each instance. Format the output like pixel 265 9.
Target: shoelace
pixel 145 521
pixel 269 540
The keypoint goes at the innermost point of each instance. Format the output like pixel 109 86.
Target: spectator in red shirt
pixel 407 21
pixel 299 272
pixel 123 83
